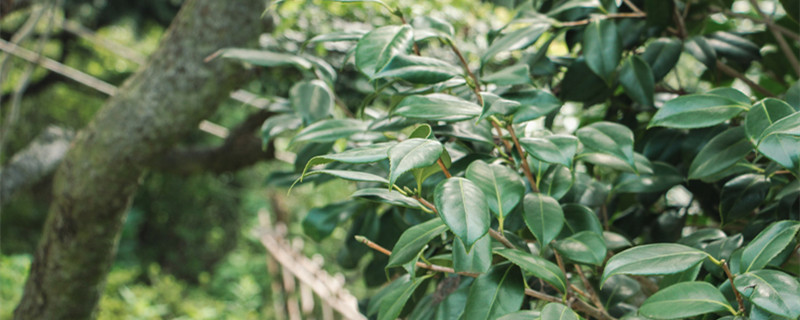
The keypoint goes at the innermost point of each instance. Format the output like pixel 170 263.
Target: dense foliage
pixel 596 159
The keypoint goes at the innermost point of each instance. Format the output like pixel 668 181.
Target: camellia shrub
pixel 586 159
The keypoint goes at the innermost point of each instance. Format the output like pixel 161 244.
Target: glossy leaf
pixel 515 40
pixel 579 218
pixel 493 104
pixel 350 175
pixel 637 79
pixel 583 247
pixel 683 300
pixel 463 208
pixel 312 100
pixel 557 311
pixel 741 195
pixel 662 55
pixel 379 46
pixel 415 69
pixel 618 289
pixel 495 294
pixel 780 142
pixel 502 186
pixel 330 130
pixel 543 216
pixel 664 176
pixel 696 111
pixel 702 51
pixel 775 291
pixel 411 154
pixel 434 25
pixel 607 138
pixel 366 154
pixel 394 301
pixel 277 124
pixel 538 266
pixel 556 181
pixel 387 196
pixel 413 240
pixel 552 149
pixel 513 75
pixel 437 106
pixel 720 153
pixel 615 241
pixel 768 244
pixel 534 103
pixel 477 260
pixel 319 223
pixel 653 259
pixel 265 58
pixel 349 35
pixel 602 48
pixel 762 115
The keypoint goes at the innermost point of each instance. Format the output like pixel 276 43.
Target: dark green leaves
pixel 683 300
pixel 417 69
pixel 662 55
pixel 330 130
pixel 463 208
pixel 762 115
pixel 477 260
pixel 608 139
pixel 585 247
pixel 411 154
pixel 697 111
pixel 502 186
pixel 653 259
pixel 543 216
pixel 437 106
pixel 741 195
pixel 379 46
pixel 552 149
pixel 413 240
pixel 494 294
pixel 602 48
pixel 538 266
pixel 515 40
pixel 557 311
pixel 637 80
pixel 780 142
pixel 392 302
pixel 312 100
pixel 722 152
pixel 768 244
pixel 775 291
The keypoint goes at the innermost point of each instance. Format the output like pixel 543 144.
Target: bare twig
pixel 633 7
pixel 525 167
pixel 444 169
pixel 476 87
pixel 785 31
pixel 432 267
pixel 787 51
pixel 678 17
pixel 499 237
pixel 736 74
pixel 724 265
pixel 590 291
pixel 122 51
pixel 607 16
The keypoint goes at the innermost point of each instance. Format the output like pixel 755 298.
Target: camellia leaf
pixel 663 177
pixel 493 104
pixel 387 196
pixel 552 149
pixel 741 195
pixel 521 315
pixel 653 259
pixel 762 115
pixel 696 111
pixel 463 208
pixel 685 299
pixel 720 153
pixel 477 260
pixel 413 240
pixel 583 247
pixel 543 216
pixel 350 35
pixel 534 103
pixel 415 69
pixel 662 55
pixel 411 154
pixel 557 311
pixel 379 46
pixel 495 294
pixel 556 181
pixel 602 48
pixel 437 106
pixel 502 186
pixel 610 139
pixel 768 244
pixel 350 175
pixel 330 130
pixel 772 290
pixel 513 75
pixel 366 154
pixel 515 40
pixel 702 51
pixel 319 223
pixel 275 125
pixel 780 142
pixel 637 79
pixel 313 100
pixel 437 27
pixel 265 58
pixel 538 266
pixel 394 301
pixel 579 218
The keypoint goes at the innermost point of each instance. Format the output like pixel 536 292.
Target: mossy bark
pixel 97 179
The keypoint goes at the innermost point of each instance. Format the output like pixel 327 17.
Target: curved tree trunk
pixel 95 183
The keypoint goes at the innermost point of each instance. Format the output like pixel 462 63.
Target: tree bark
pixel 35 162
pixel 95 182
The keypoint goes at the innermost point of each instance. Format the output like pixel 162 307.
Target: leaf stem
pixel 728 273
pixel 432 267
pixel 589 289
pixel 500 237
pixel 496 125
pixel 736 74
pixel 525 167
pixel 444 169
pixel 426 203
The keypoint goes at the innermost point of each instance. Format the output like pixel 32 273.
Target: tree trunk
pixel 96 181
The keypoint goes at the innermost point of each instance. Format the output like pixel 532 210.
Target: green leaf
pixel 543 216
pixel 453 305
pixel 493 104
pixel 420 70
pixel 463 208
pixel 768 244
pixel 277 124
pixel 513 75
pixel 411 154
pixel 534 103
pixel 762 115
pixel 662 55
pixel 696 111
pixel 437 27
pixel 602 48
pixel 741 195
pixel 515 40
pixel 702 51
pixel 607 138
pixel 495 294
pixel 556 181
pixel 637 80
pixel 376 300
pixel 437 106
pixel 538 266
pixel 521 315
pixel 422 131
pixel 579 218
pixel 586 247
pixel 653 259
pixel 780 142
pixel 312 100
pixel 615 241
pixel 477 260
pixel 319 223
pixel 683 300
pixel 720 153
pixel 265 58
pixel 394 301
pixel 387 196
pixel 552 149
pixel 350 175
pixel 732 94
pixel 413 240
pixel 330 130
pixel 618 289
pixel 366 154
pixel 664 176
pixel 502 186
pixel 557 311
pixel 379 46
pixel 350 35
pixel 775 291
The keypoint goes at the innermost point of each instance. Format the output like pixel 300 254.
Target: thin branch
pixel 736 74
pixel 505 142
pixel 787 51
pixel 607 16
pixel 633 7
pixel 678 17
pixel 427 204
pixel 525 167
pixel 476 84
pixel 500 237
pixel 76 28
pixel 590 290
pixel 724 265
pixel 444 169
pixel 785 31
pixel 432 267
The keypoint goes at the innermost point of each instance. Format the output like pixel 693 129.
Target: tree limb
pixel 35 162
